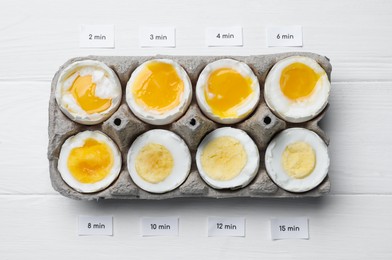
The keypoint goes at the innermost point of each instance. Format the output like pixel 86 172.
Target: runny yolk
pixel 298 81
pixel 83 90
pixel 226 90
pixel 90 163
pixel 158 87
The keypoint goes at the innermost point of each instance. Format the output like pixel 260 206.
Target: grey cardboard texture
pixel 192 127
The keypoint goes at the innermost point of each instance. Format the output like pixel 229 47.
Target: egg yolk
pixel 90 163
pixel 226 90
pixel 154 163
pixel 223 158
pixel 158 87
pixel 298 81
pixel 299 160
pixel 83 90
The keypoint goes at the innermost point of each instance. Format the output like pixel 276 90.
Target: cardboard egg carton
pixel 123 127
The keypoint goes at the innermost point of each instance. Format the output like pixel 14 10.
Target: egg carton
pixel 123 127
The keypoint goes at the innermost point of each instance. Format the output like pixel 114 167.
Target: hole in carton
pixel 267 120
pixel 117 121
pixel 192 122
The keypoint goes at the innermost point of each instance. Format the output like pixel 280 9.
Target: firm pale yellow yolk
pixel 299 160
pixel 92 162
pixel 298 81
pixel 158 87
pixel 154 163
pixel 83 90
pixel 226 90
pixel 223 158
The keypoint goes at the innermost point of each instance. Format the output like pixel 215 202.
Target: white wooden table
pixel 353 222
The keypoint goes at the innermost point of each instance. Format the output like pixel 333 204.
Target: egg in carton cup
pixel 114 132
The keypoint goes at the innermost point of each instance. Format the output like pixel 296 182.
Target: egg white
pixel 154 117
pixel 107 86
pixel 250 169
pixel 178 149
pixel 296 111
pixel 242 111
pixel 273 157
pixel 78 140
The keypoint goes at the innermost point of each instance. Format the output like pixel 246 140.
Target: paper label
pixel 97 36
pixel 157 37
pixel 95 225
pixel 289 228
pixel 166 226
pixel 284 36
pixel 224 36
pixel 230 227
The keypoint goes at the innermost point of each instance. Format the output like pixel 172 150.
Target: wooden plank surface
pixel 353 222
pixel 354 35
pixel 340 227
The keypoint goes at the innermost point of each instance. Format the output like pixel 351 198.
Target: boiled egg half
pixel 227 158
pixel 227 91
pixel 159 91
pixel 297 89
pixel 159 161
pixel 297 160
pixel 89 161
pixel 88 92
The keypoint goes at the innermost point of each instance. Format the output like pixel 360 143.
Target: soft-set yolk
pixel 223 158
pixel 92 162
pixel 83 90
pixel 158 87
pixel 299 160
pixel 154 163
pixel 226 90
pixel 298 81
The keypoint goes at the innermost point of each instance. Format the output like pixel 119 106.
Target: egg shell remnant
pixel 106 84
pixel 163 85
pixel 193 126
pixel 245 104
pixel 174 148
pixel 300 107
pixel 274 156
pixel 232 148
pixel 77 142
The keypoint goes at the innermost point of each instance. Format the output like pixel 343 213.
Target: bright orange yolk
pixel 298 81
pixel 226 90
pixel 158 87
pixel 90 163
pixel 83 90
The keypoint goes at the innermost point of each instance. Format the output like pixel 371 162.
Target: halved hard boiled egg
pixel 227 158
pixel 159 91
pixel 89 161
pixel 297 160
pixel 159 161
pixel 88 92
pixel 297 89
pixel 227 91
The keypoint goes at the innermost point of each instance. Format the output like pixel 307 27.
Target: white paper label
pixel 288 36
pixel 230 227
pixel 289 228
pixel 224 36
pixel 166 226
pixel 157 37
pixel 97 36
pixel 95 226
